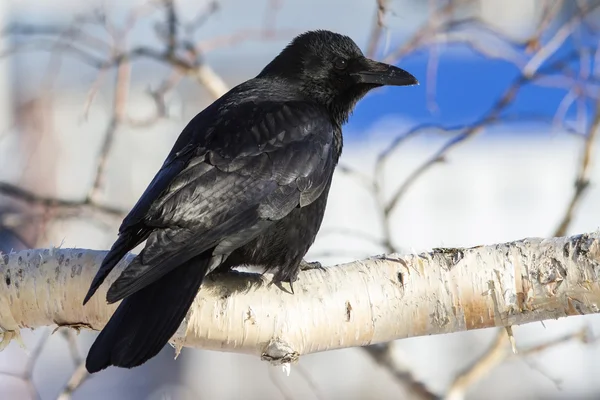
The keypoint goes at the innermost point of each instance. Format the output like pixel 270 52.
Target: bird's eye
pixel 340 63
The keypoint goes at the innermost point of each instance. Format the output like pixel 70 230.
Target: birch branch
pixel 360 303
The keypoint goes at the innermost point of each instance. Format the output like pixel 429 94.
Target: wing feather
pixel 224 188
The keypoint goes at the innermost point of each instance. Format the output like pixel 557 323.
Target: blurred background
pixel 496 144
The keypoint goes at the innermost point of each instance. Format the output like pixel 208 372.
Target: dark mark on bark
pixel 348 311
pixel 582 244
pixel 400 277
pixel 452 256
pixel 567 250
pixel 76 270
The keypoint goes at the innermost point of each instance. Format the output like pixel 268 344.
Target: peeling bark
pixel 364 302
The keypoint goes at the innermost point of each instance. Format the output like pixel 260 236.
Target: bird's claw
pixel 306 266
pixel 279 284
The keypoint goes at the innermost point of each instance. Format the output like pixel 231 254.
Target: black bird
pixel 245 183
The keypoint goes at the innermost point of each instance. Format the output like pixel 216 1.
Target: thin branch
pixel 383 355
pixel 480 368
pixel 432 65
pixel 582 181
pixel 158 96
pixel 377 28
pixel 91 95
pixel 274 376
pixel 71 338
pixel 208 78
pixel 72 33
pixel 422 34
pixel 551 10
pixel 77 378
pixel 203 16
pixel 119 104
pixel 7 189
pixel 27 375
pixel 493 114
pixel 220 42
pixel 309 381
pixel 172 23
pixel 499 352
pixel 557 40
pixel 358 176
pixel 442 130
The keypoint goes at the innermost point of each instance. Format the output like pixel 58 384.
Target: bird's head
pixel 332 70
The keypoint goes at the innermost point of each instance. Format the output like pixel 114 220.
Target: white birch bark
pixel 364 302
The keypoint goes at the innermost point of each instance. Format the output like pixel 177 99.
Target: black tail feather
pixel 145 321
pixel 124 243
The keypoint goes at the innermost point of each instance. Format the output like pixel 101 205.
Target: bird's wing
pixel 224 188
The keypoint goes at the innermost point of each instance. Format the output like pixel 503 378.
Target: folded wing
pixel 224 187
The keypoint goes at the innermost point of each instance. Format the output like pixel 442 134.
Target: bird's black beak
pixel 378 73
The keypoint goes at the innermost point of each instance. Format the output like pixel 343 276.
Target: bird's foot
pixel 290 281
pixel 290 278
pixel 306 266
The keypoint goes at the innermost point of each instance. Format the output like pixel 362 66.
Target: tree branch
pixel 364 302
pixel 7 189
pixel 582 180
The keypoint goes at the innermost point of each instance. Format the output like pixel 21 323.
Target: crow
pixel 246 183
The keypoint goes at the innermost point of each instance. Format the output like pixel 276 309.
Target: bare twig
pixel 71 338
pixel 583 335
pixel 27 375
pixel 77 378
pixel 480 368
pixel 498 352
pixel 422 34
pixel 80 373
pixel 274 376
pixel 557 40
pixel 582 180
pixel 241 36
pixel 432 63
pixel 551 9
pixel 493 114
pixel 158 95
pixel 208 78
pixel 119 103
pixel 383 355
pixel 377 28
pixel 309 381
pixel 200 19
pixel 7 189
pixel 93 91
pixel 172 24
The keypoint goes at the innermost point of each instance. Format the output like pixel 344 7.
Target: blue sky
pixel 468 84
pixel 467 87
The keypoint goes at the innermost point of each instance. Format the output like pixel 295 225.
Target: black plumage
pixel 245 183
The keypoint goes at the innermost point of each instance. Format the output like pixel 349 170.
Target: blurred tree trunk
pixel 35 160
